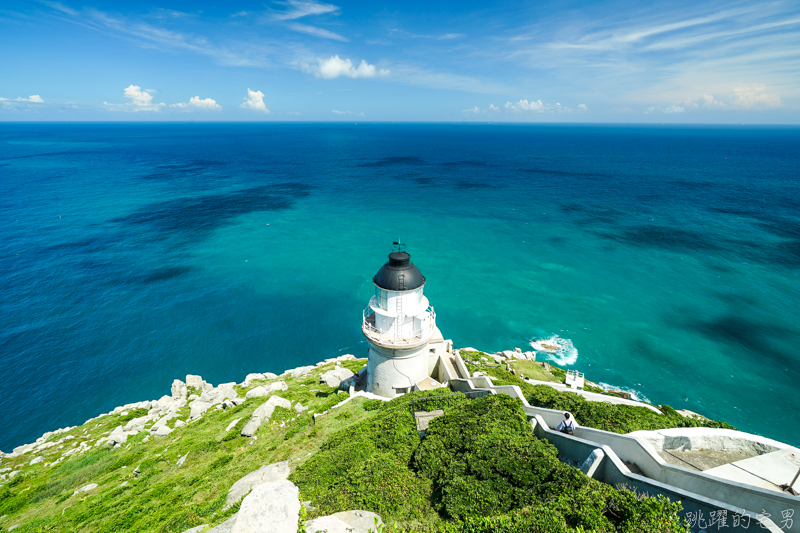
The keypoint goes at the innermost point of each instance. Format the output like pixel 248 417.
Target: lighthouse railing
pixel 391 336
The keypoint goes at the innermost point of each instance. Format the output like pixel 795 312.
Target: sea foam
pixel 559 351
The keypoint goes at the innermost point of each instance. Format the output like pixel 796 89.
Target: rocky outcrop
pixel 334 378
pixel 263 413
pixel 265 474
pixel 345 522
pixel 272 507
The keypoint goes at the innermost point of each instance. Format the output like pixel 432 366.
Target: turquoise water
pixel 133 254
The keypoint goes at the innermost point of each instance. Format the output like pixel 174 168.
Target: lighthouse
pixel 400 326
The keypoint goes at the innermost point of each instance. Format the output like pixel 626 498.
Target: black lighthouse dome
pixel 399 274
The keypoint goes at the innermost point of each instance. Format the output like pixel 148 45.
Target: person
pixel 567 426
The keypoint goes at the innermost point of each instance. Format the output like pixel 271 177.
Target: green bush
pixel 610 417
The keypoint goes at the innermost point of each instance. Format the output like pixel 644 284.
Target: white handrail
pixel 391 337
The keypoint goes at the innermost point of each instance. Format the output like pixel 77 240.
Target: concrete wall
pixel 697 491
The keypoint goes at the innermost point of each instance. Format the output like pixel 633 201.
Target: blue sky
pixel 649 62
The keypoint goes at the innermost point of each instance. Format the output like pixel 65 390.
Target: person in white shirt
pixel 567 425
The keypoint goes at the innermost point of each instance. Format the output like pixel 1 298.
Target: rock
pixel 264 412
pixel 85 488
pixel 333 378
pixel 124 484
pixel 497 359
pixel 256 393
pixel 232 402
pixel 517 350
pixel 182 460
pixel 198 408
pixel 300 371
pixel 15 526
pixel 38 460
pixel 163 431
pixel 270 375
pixel 179 424
pixel 194 381
pixel 299 407
pixel 165 401
pixel 179 390
pixel 193 397
pixel 360 521
pixel 327 524
pixel 232 425
pixel 253 377
pixel 196 529
pixel 278 386
pixel 268 473
pixel 272 507
pixel 226 526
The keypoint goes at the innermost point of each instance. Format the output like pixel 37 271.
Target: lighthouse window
pixel 381 297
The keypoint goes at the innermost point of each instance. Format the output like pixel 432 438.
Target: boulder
pixel 196 529
pixel 85 488
pixel 327 524
pixel 300 371
pixel 263 413
pixel 270 375
pixel 278 386
pixel 300 407
pixel 182 460
pixel 334 378
pixel 256 393
pixel 198 408
pixel 227 525
pixel 272 507
pixel 232 425
pixel 265 474
pixel 194 381
pixel 38 460
pixel 179 390
pixel 253 377
pixel 163 431
pixel 360 521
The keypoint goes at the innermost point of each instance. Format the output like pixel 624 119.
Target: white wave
pixel 635 395
pixel 559 351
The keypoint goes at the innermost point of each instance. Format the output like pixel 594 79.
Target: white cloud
pixel 255 100
pixel 335 66
pixel 33 99
pixel 674 109
pixel 294 113
pixel 196 102
pixel 301 8
pixel 475 109
pixel 493 108
pixel 341 112
pixel 582 107
pixel 141 100
pixel 747 98
pixel 524 105
pixel 317 32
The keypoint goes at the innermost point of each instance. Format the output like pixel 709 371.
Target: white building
pixel 405 345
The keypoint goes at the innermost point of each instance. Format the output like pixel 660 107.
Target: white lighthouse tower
pixel 400 325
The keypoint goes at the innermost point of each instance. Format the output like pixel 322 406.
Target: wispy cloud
pixel 299 8
pixel 340 112
pixel 21 101
pixel 317 32
pixel 335 67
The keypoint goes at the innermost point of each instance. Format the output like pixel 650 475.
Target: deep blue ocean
pixel 665 259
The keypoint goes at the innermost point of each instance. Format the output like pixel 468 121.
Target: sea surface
pixel 665 259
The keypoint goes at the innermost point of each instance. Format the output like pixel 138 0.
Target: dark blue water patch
pixel 585 214
pixel 392 161
pixel 767 341
pixel 200 215
pixel 564 173
pixel 49 154
pixel 691 184
pixel 465 185
pixel 85 245
pixel 161 274
pixel 466 163
pixel 667 238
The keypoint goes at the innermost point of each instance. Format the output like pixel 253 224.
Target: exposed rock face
pixel 179 390
pixel 278 386
pixel 85 488
pixel 263 413
pixel 268 473
pixel 345 522
pixel 256 392
pixel 333 378
pixel 272 507
pixel 300 371
pixel 226 526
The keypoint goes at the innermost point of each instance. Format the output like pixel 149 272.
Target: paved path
pixel 593 396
